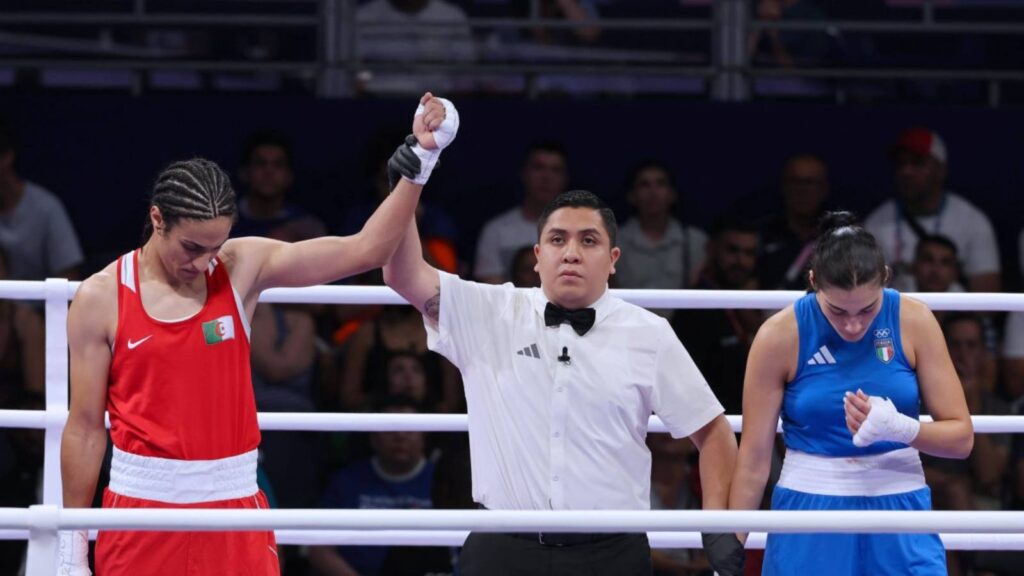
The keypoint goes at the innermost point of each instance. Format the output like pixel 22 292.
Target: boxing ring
pixel 1001 530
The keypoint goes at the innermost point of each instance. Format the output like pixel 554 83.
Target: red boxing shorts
pixel 145 553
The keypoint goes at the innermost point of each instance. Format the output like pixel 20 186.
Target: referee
pixel 560 382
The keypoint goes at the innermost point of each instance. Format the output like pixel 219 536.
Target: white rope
pixel 353 422
pixel 532 521
pixel 24 290
pixel 659 540
pixel 759 299
pixel 23 419
pixel 397 422
pixel 456 538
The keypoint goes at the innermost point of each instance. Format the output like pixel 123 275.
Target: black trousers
pixel 490 554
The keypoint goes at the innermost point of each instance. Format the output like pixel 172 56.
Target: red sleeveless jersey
pixel 181 389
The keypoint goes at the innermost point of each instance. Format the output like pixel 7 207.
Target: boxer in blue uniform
pixel 847 366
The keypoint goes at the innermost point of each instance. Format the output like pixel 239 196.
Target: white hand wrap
pixel 74 553
pixel 886 424
pixel 443 136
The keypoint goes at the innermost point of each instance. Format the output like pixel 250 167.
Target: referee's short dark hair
pixel 581 199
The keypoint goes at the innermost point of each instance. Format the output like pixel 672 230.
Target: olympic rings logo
pixel 882 333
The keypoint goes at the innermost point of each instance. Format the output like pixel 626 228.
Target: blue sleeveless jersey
pixel 813 419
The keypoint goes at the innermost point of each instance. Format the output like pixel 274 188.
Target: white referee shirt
pixel 546 434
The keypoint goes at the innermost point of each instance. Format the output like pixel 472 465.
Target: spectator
pixel 397 476
pixel 22 349
pixel 283 360
pixel 923 206
pixel 410 32
pixel 450 490
pixel 398 329
pixel 788 48
pixel 935 267
pixel 962 484
pixel 787 239
pixel 1013 359
pixel 978 482
pixel 266 173
pixel 524 268
pixel 719 340
pixel 34 228
pixel 675 485
pixel 544 175
pixel 657 250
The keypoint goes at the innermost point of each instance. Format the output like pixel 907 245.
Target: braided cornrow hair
pixel 196 189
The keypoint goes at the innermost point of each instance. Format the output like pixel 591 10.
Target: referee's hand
pixel 724 552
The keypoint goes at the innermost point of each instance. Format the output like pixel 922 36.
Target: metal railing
pixel 332 63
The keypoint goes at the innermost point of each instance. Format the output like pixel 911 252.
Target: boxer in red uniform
pixel 160 340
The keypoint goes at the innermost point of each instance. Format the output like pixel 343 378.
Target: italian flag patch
pixel 884 349
pixel 219 330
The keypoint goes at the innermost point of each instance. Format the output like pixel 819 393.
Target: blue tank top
pixel 813 419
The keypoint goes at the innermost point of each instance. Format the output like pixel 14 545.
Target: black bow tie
pixel 581 320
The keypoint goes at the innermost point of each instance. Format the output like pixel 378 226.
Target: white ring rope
pixel 660 540
pixel 832 521
pixel 760 299
pixel 397 422
pixel 456 538
pixel 352 422
pixel 735 299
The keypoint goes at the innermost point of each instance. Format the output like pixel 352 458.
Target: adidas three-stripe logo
pixel 530 351
pixel 821 357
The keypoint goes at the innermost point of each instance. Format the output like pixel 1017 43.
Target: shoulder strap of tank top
pixel 126 271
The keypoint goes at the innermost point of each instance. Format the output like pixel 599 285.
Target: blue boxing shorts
pixel 853 554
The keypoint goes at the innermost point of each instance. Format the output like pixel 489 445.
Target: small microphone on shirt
pixel 564 358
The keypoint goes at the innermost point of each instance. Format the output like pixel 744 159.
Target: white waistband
pixel 876 475
pixel 183 481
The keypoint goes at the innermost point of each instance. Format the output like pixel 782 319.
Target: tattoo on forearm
pixel 432 307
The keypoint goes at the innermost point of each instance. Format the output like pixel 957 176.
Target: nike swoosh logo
pixel 133 345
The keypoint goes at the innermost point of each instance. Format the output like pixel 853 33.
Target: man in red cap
pixel 923 207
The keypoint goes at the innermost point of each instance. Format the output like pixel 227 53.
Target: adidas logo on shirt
pixel 821 357
pixel 530 351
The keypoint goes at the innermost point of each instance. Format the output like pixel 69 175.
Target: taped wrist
pixel 886 424
pixel 73 550
pixel 443 136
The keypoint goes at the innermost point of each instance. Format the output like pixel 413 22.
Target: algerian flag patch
pixel 219 330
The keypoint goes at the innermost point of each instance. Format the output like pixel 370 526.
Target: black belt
pixel 563 539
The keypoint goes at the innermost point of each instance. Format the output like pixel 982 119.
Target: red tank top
pixel 181 389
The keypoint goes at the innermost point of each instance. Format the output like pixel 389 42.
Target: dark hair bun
pixel 831 221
